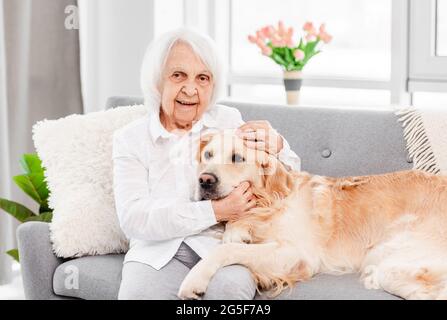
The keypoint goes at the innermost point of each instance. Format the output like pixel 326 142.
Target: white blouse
pixel 154 177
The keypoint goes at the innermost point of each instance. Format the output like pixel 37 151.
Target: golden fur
pixel 390 228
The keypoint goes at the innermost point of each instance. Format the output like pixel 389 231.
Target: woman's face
pixel 186 88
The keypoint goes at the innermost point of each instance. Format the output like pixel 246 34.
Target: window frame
pixel 426 68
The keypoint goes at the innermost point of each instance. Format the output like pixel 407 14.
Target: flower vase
pixel 292 85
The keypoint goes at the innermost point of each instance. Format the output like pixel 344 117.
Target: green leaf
pixel 278 59
pixel 301 45
pixel 31 163
pixel 298 66
pixel 310 56
pixel 14 253
pixel 38 180
pixel 289 56
pixel 34 185
pixel 44 217
pixel 44 208
pixel 15 209
pixel 310 47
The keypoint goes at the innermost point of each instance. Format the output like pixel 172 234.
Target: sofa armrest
pixel 37 260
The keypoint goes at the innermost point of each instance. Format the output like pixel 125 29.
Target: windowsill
pixel 312 96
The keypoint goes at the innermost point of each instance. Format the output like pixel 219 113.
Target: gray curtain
pixel 40 78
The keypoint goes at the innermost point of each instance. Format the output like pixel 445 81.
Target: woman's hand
pixel 261 136
pixel 236 205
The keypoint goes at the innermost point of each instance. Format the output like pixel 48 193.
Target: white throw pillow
pixel 76 152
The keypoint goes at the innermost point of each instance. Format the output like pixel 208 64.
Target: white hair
pixel 155 59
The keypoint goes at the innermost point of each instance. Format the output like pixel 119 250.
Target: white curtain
pixel 39 78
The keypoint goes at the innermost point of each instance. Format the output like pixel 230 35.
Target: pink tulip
pixel 322 28
pixel 281 29
pixel 299 54
pixel 290 43
pixel 252 39
pixel 265 32
pixel 260 43
pixel 290 33
pixel 268 31
pixel 313 32
pixel 259 35
pixel 278 41
pixel 308 26
pixel 282 37
pixel 311 37
pixel 325 37
pixel 267 51
pixel 288 38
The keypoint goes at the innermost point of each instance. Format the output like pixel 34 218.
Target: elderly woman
pixel 181 79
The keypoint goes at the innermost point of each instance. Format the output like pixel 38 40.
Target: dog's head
pixel 225 162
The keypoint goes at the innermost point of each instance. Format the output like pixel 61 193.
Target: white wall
pixel 114 36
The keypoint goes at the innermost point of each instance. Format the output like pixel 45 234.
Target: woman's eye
pixel 204 78
pixel 177 75
pixel 207 155
pixel 237 158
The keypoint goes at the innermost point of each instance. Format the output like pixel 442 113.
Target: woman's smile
pixel 185 104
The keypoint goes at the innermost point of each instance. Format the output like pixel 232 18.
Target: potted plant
pixel 278 44
pixel 32 182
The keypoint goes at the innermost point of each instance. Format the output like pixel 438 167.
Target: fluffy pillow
pixel 77 154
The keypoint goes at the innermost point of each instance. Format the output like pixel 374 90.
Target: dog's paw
pixel 236 236
pixel 193 286
pixel 370 277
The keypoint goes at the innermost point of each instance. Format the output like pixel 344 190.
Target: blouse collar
pixel 157 130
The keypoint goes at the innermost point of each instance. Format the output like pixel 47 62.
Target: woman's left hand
pixel 261 136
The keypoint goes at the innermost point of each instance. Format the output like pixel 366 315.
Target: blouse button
pixel 326 153
pixel 409 159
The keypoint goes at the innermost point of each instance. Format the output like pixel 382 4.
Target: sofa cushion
pixel 92 278
pixel 76 152
pixel 330 287
pixel 99 277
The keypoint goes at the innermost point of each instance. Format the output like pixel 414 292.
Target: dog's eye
pixel 237 158
pixel 208 154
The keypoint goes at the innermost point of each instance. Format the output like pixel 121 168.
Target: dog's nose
pixel 207 180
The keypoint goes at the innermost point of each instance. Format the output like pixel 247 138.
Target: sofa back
pixel 332 141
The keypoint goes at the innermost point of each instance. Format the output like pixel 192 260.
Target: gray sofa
pixel 330 141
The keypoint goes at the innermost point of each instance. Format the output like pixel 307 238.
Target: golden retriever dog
pixel 390 228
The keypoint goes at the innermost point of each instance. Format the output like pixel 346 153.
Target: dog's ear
pixel 277 180
pixel 204 140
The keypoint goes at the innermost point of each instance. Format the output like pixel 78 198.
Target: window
pixel 441 28
pixel 360 49
pixel 357 61
pixel 428 63
pixel 382 52
pixel 173 14
pixel 312 96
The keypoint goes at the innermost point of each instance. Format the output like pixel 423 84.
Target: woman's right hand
pixel 236 205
